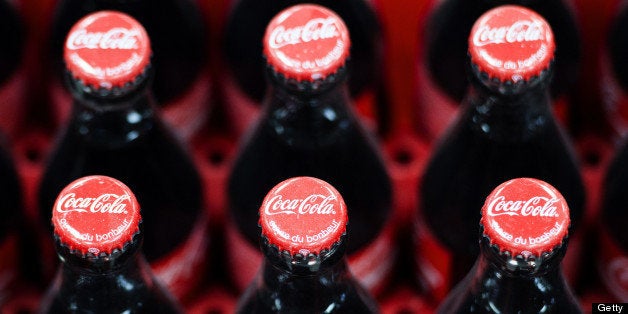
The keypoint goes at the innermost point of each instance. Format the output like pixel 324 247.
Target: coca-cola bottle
pixel 524 230
pixel 443 79
pixel 303 221
pixel 12 69
pixel 10 220
pixel 614 71
pixel 181 85
pixel 505 130
pixel 98 237
pixel 115 130
pixel 612 233
pixel 308 128
pixel 243 78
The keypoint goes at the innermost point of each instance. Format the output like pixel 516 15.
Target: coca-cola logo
pixel 115 38
pixel 314 204
pixel 314 29
pixel 106 204
pixel 519 31
pixel 537 206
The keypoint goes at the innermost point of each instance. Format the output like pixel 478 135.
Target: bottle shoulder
pixel 131 288
pixel 341 297
pixel 486 289
pixel 266 159
pixel 155 166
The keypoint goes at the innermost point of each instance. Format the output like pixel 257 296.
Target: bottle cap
pixel 95 215
pixel 306 42
pixel 511 43
pixel 526 217
pixel 107 49
pixel 303 215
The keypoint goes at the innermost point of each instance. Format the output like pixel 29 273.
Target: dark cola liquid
pixel 447 35
pixel 497 138
pixel 141 300
pixel 143 155
pixel 491 288
pixel 245 30
pixel 331 290
pixel 175 29
pixel 12 34
pixel 311 135
pixel 93 286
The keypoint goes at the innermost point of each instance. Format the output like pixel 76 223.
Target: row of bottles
pixel 306 126
pixel 103 266
pixel 182 52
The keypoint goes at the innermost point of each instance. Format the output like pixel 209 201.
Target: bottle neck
pixel 112 120
pixel 495 280
pixel 318 273
pixel 306 114
pixel 126 266
pixel 506 114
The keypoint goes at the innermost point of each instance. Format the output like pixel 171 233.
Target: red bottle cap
pixel 303 215
pixel 306 42
pixel 511 43
pixel 525 217
pixel 107 49
pixel 96 214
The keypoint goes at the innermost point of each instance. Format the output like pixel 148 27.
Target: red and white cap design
pixel 107 49
pixel 511 43
pixel 306 42
pixel 526 217
pixel 303 215
pixel 96 214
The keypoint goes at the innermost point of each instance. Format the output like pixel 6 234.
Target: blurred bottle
pixel 303 223
pixel 614 71
pixel 443 79
pixel 115 130
pixel 524 230
pixel 506 130
pixel 12 70
pixel 98 237
pixel 612 233
pixel 178 35
pixel 11 219
pixel 244 78
pixel 308 128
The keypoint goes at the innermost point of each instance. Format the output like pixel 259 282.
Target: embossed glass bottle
pixel 181 83
pixel 98 237
pixel 116 130
pixel 308 127
pixel 443 76
pixel 303 221
pixel 506 129
pixel 524 230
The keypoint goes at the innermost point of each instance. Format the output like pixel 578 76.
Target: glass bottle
pixel 303 221
pixel 443 76
pixel 505 130
pixel 524 230
pixel 115 129
pixel 308 128
pixel 178 36
pixel 98 237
